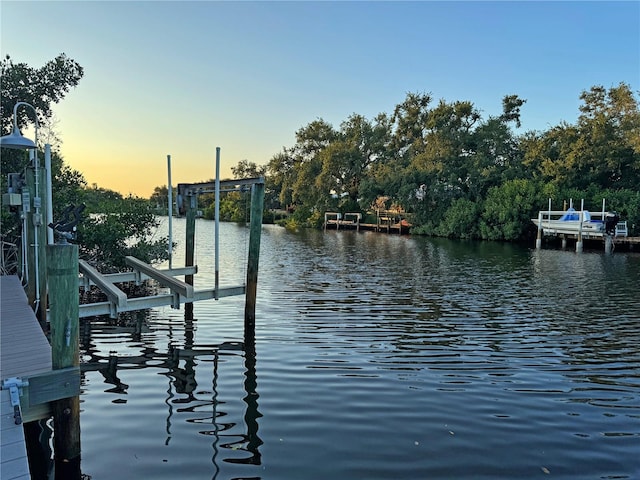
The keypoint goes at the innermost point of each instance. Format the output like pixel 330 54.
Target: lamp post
pixel 33 230
pixel 15 140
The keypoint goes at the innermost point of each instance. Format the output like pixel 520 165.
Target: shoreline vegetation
pixel 452 172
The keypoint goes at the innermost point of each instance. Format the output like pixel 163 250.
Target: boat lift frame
pixel 183 291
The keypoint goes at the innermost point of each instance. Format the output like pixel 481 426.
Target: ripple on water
pixel 377 357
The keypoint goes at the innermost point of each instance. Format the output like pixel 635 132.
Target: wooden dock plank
pixel 24 351
pixel 13 463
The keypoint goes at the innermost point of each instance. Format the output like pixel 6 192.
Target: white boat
pixel 574 222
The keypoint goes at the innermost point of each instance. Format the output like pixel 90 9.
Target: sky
pixel 181 78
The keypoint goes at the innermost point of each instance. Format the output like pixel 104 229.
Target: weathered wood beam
pixel 54 385
pixel 255 229
pixel 48 387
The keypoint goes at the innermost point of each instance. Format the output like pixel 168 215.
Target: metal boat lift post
pixel 186 200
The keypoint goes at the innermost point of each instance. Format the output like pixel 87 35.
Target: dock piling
pixel 191 201
pixel 257 204
pixel 62 271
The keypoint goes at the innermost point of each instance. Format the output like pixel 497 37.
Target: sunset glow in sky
pixel 181 78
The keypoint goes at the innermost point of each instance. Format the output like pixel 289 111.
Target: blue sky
pixel 181 78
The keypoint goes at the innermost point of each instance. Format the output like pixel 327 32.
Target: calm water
pixel 376 357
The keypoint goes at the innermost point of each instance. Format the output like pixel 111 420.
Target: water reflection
pixel 179 364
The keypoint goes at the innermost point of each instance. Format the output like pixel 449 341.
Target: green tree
pixel 444 161
pixel 113 226
pixel 247 169
pixel 117 226
pixel 308 187
pixel 457 173
pixel 280 177
pixel 602 149
pixel 507 210
pixel 460 220
pixel 160 198
pixel 409 122
pixel 348 159
pixel 40 87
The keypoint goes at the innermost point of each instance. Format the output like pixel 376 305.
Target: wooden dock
pixel 385 222
pixel 25 351
pixel 623 243
pixel 627 241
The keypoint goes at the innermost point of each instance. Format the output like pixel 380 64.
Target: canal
pixel 376 357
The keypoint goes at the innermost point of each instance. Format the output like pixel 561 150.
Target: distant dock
pixel 626 243
pixel 386 221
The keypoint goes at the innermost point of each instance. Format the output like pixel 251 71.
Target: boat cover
pixel 571 215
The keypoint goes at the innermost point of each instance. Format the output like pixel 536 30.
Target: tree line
pixel 452 172
pixel 455 173
pixel 460 175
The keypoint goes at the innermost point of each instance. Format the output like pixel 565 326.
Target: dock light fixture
pixel 15 139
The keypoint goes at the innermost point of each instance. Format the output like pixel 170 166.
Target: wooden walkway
pixel 24 351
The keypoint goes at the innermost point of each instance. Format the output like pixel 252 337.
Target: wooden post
pixel 190 242
pixel 257 205
pixel 62 272
pixel 37 244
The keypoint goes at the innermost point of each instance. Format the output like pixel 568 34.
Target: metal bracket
pixel 15 384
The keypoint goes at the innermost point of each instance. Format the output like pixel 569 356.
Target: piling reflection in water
pixel 179 364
